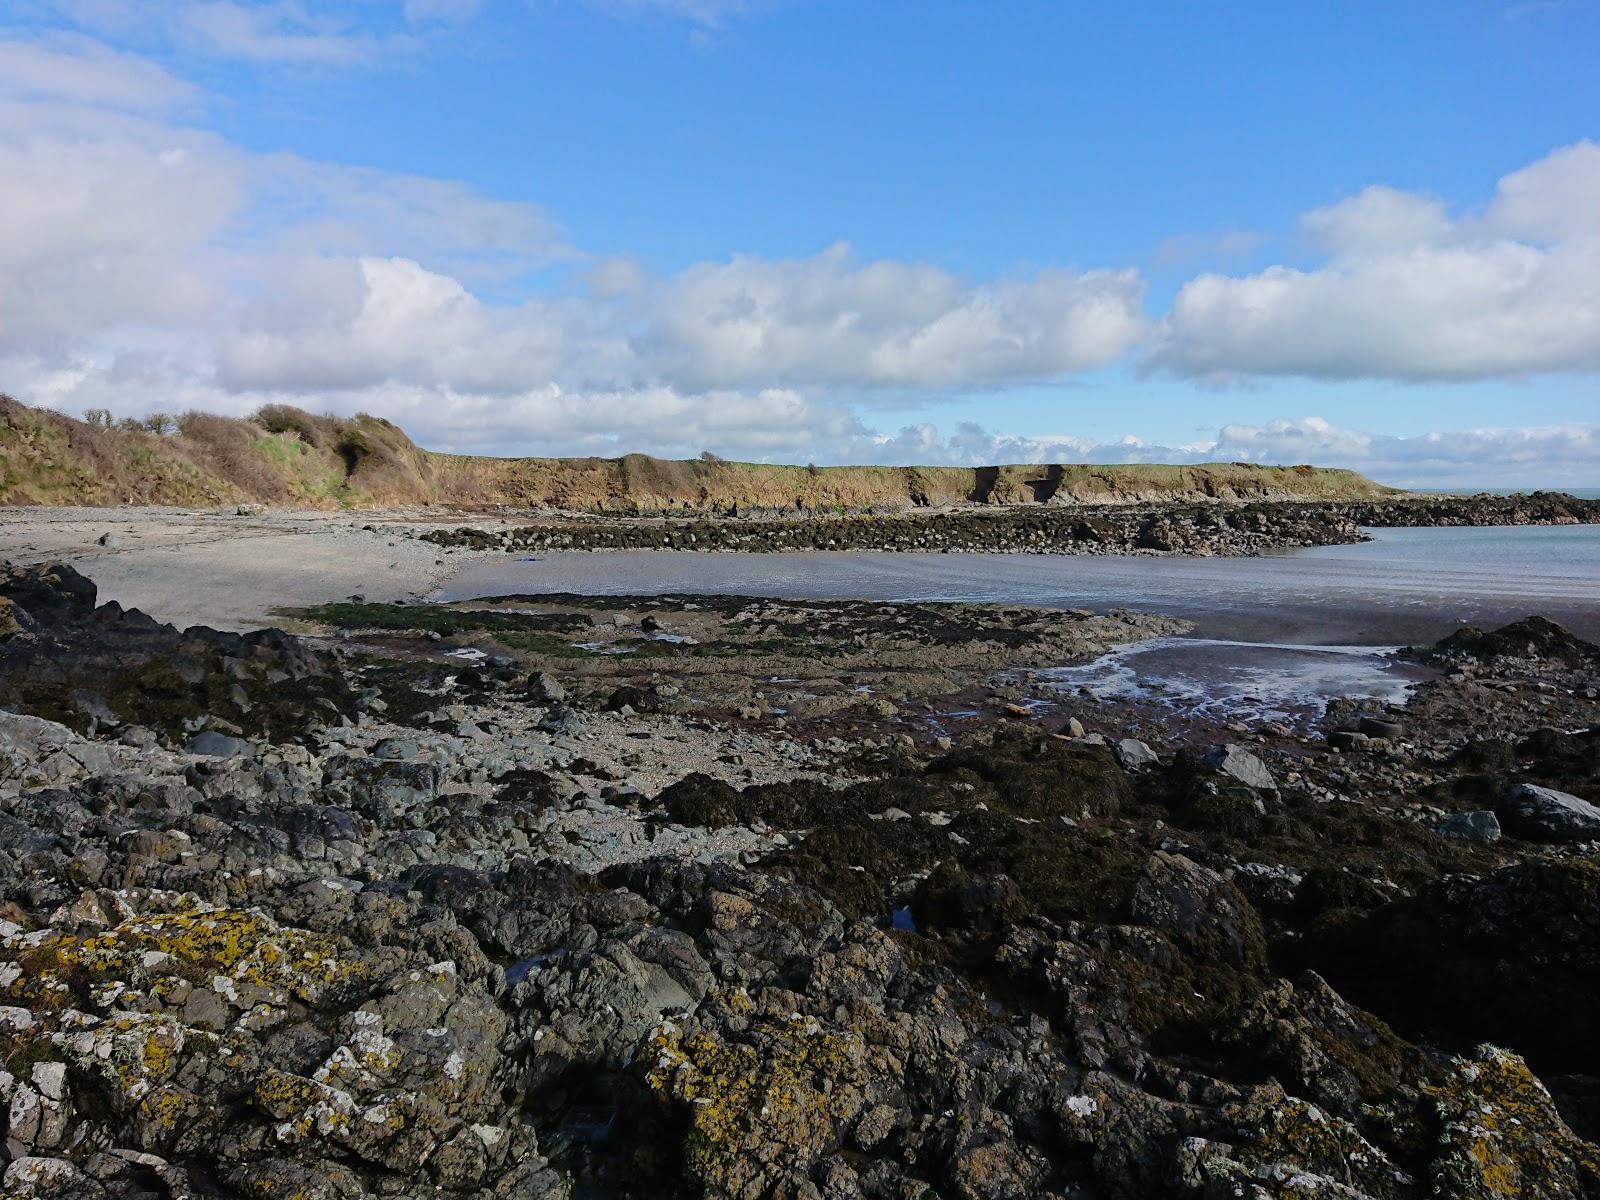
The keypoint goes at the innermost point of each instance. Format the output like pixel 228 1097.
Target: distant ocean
pixel 1580 493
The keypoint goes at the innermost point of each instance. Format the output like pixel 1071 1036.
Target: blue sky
pixel 782 229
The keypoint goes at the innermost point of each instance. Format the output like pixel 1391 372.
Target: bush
pixel 285 418
pixel 226 446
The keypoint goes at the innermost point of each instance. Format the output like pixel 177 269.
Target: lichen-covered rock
pixel 762 1108
pixel 1499 1135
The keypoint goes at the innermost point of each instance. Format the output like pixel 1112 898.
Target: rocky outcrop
pixel 410 945
pixel 1171 527
pixel 1545 815
pixel 1506 957
pixel 1166 529
pixel 1531 637
pixel 109 669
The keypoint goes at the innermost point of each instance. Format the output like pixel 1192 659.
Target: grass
pixel 298 458
pixel 544 634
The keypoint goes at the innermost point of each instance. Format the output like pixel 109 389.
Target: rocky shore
pixel 1204 529
pixel 548 899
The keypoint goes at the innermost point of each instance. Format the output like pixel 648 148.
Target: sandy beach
pixel 228 569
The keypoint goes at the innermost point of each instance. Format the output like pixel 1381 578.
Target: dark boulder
pixel 1511 958
pixel 1542 814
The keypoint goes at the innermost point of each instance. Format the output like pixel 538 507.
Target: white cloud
pixel 1551 201
pixel 1408 292
pixel 284 32
pixel 81 71
pixel 105 223
pixel 369 322
pixel 831 319
pixel 1554 456
pixel 1558 455
pixel 709 14
pixel 1378 220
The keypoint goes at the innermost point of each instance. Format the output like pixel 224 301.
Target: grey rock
pixel 109 540
pixel 1347 739
pixel 1543 814
pixel 1238 763
pixel 219 745
pixel 544 688
pixel 561 720
pixel 1134 754
pixel 1480 826
pixel 1200 910
pixel 396 749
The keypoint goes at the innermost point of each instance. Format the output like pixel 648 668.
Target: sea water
pixel 1278 632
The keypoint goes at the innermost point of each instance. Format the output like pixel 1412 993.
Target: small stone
pixel 212 744
pixel 544 688
pixel 1347 739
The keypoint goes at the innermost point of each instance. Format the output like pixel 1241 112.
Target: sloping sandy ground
pixel 227 569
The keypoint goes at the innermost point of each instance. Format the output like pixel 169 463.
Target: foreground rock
pixel 1546 815
pixel 410 945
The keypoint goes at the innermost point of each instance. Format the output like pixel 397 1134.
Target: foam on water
pixel 1222 679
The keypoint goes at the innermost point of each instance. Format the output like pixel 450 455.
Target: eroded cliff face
pixel 287 457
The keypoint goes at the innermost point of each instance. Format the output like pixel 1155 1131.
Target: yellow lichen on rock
pixel 240 946
pixel 1501 1136
pixel 791 1086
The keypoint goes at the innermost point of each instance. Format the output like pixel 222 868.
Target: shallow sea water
pixel 1277 634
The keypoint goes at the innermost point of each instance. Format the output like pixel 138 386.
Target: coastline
pixel 237 567
pixel 233 568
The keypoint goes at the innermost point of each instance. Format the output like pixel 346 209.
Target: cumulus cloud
pixel 1410 292
pixel 832 319
pixel 83 71
pixel 1553 456
pixel 317 276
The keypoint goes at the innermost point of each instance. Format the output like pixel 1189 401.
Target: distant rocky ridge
pixel 287 457
pixel 1170 528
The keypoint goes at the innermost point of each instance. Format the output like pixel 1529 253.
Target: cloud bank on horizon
pixel 149 262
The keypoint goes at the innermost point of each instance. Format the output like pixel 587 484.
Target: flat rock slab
pixel 1543 814
pixel 1240 764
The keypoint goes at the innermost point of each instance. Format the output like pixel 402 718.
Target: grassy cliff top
pixel 284 456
